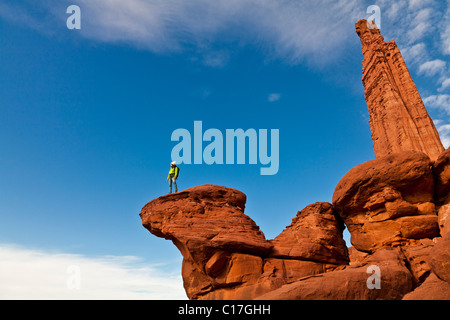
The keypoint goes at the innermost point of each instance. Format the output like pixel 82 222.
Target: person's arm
pixel 176 172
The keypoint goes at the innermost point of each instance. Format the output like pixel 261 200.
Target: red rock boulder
pixel 442 173
pixel 388 201
pixel 382 275
pixel 432 289
pixel 315 234
pixel 226 256
pixel 209 227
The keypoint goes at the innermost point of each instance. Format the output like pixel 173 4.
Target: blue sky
pixel 86 118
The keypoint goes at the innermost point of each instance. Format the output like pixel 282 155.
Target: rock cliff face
pixel 396 207
pixel 388 201
pixel 398 118
pixel 226 256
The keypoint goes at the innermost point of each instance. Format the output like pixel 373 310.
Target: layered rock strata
pixel 225 254
pixel 388 201
pixel 388 204
pixel 398 118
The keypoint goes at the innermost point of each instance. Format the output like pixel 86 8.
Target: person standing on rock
pixel 173 175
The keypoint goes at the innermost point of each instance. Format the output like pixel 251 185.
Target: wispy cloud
pixel 412 23
pixel 431 68
pixel 445 84
pixel 296 31
pixel 291 30
pixel 274 97
pixel 412 19
pixel 34 274
pixel 415 54
pixel 439 101
pixel 444 132
pixel 445 31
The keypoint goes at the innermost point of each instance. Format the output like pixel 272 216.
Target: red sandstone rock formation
pixel 396 208
pixel 398 118
pixel 388 204
pixel 388 201
pixel 351 282
pixel 315 234
pixel 442 173
pixel 225 254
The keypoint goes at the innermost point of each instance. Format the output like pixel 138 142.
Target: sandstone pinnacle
pixel 399 120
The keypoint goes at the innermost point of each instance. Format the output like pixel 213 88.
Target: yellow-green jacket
pixel 173 172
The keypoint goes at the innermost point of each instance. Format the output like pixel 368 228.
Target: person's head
pixel 173 163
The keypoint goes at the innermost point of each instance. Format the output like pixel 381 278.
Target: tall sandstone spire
pixel 398 118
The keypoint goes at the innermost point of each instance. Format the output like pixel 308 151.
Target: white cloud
pixel 417 4
pixel 295 31
pixel 413 23
pixel 410 20
pixel 431 68
pixel 414 54
pixel 216 59
pixel 439 101
pixel 445 37
pixel 445 84
pixel 392 9
pixel 291 29
pixel 420 25
pixel 274 97
pixel 444 132
pixel 445 31
pixel 33 274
